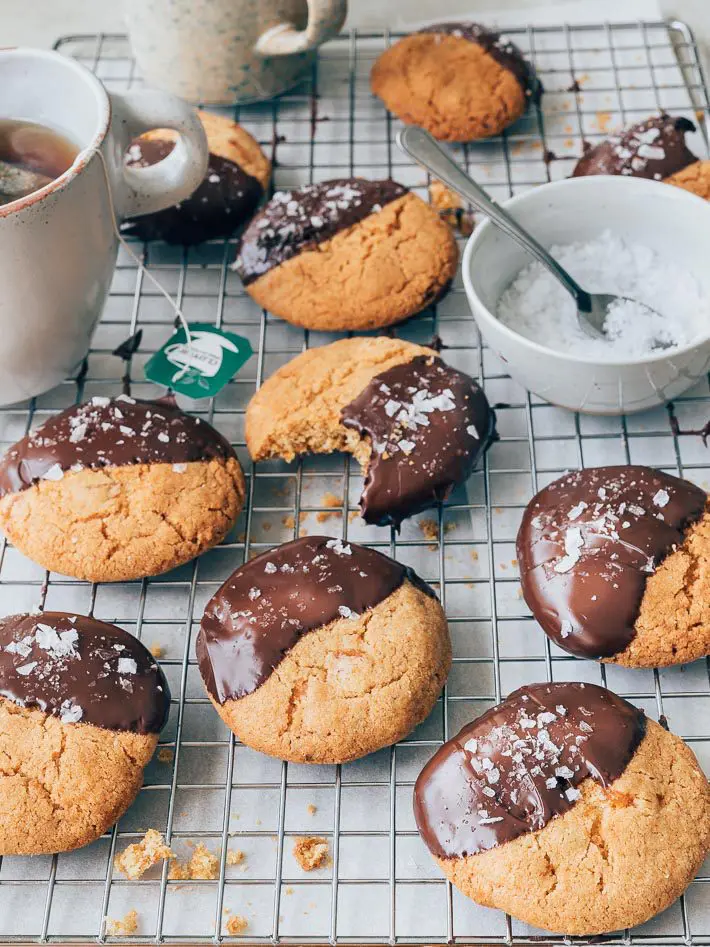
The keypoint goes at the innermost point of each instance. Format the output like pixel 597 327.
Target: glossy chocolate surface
pixel 505 53
pixel 428 424
pixel 587 544
pixel 300 219
pixel 653 149
pixel 519 765
pixel 82 671
pixel 226 198
pixel 270 602
pixel 109 432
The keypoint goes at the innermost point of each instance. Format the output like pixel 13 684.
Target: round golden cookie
pixel 695 178
pixel 610 855
pixel 236 180
pixel 615 565
pixel 347 254
pixel 119 489
pixel 81 708
pixel 321 651
pixel 458 80
pixel 415 424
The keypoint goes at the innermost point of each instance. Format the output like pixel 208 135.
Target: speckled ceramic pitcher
pixel 219 52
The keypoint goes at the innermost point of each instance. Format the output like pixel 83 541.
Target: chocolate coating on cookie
pixel 505 53
pixel 109 432
pixel 654 149
pixel 226 198
pixel 587 544
pixel 270 602
pixel 82 671
pixel 298 220
pixel 518 765
pixel 428 424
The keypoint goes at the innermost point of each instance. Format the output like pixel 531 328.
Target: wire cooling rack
pixel 380 885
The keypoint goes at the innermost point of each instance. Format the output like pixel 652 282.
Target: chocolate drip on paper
pixel 270 602
pixel 82 671
pixel 654 149
pixel 505 53
pixel 300 219
pixel 226 198
pixel 428 424
pixel 587 544
pixel 518 765
pixel 109 432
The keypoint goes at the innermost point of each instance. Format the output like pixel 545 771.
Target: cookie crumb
pixel 332 501
pixel 311 809
pixel 202 865
pixel 166 754
pixel 235 856
pixel 125 927
pixel 450 208
pixel 310 851
pixel 430 529
pixel 135 860
pixel 157 650
pixel 236 924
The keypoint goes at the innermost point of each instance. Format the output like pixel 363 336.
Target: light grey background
pixel 45 20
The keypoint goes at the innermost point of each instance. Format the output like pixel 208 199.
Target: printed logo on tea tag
pixel 202 366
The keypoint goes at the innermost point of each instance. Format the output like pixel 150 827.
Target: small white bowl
pixel 673 222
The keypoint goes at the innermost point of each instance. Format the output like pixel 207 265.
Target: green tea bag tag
pixel 201 366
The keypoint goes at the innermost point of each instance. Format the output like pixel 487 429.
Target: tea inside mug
pixel 31 156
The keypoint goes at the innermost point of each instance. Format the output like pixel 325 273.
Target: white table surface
pixel 42 21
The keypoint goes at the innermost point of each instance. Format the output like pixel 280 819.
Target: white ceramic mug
pixel 58 245
pixel 220 52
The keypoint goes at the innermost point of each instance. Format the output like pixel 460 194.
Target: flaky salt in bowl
pixel 629 236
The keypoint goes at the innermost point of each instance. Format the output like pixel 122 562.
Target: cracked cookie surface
pixel 119 488
pixel 621 855
pixel 694 178
pixel 321 650
pixel 81 708
pixel 123 523
pixel 350 687
pixel 389 264
pixel 449 84
pixel 62 786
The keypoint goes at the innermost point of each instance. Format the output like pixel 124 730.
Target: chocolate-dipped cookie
pixel 604 814
pixel 322 651
pixel 615 564
pixel 347 254
pixel 118 489
pixel 654 149
pixel 237 177
pixel 81 705
pixel 415 424
pixel 460 81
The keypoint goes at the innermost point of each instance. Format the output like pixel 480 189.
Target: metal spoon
pixel 592 308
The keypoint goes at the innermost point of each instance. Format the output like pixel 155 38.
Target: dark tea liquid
pixel 31 156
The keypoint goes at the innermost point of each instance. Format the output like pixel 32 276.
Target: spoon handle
pixel 420 145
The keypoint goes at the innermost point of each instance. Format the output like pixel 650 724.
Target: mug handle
pixel 325 18
pixel 139 191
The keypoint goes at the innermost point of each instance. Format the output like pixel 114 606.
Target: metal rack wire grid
pixel 380 885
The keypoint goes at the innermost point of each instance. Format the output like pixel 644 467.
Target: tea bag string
pixel 143 269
